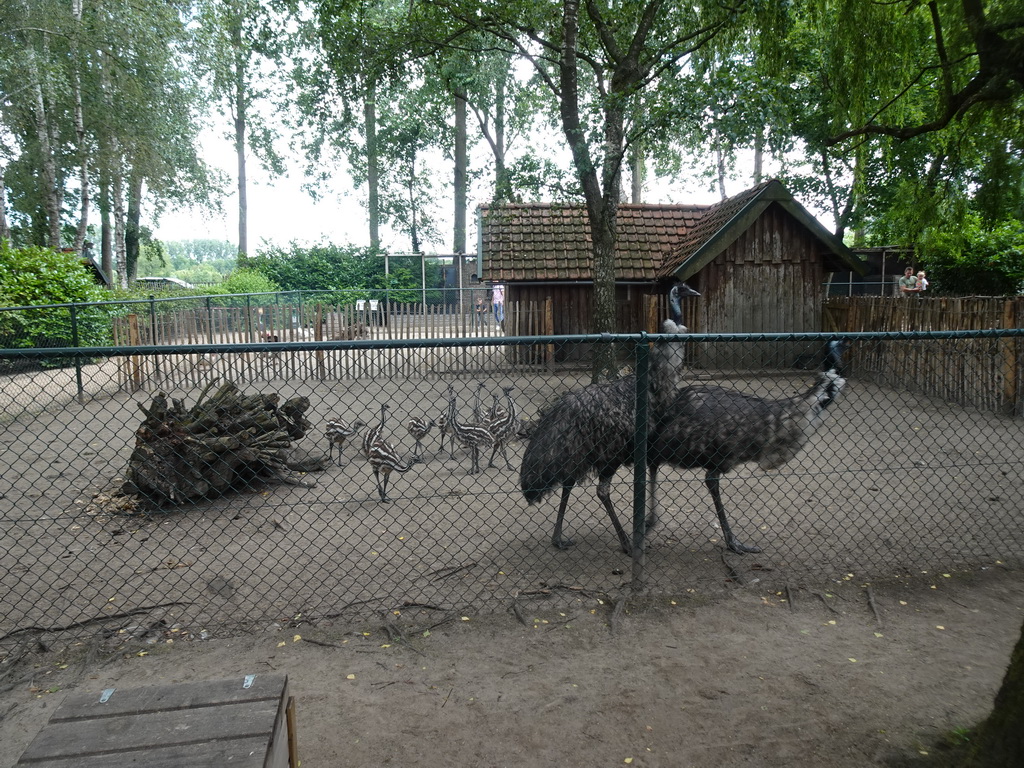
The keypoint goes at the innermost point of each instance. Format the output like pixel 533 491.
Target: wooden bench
pixel 246 722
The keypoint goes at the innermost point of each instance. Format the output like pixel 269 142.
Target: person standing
pixel 908 283
pixel 498 304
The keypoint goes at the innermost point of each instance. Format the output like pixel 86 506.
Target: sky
pixel 281 211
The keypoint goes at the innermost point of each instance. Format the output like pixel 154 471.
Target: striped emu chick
pixel 419 428
pixel 716 429
pixel 473 436
pixel 503 425
pixel 384 460
pixel 444 427
pixel 376 433
pixel 337 432
pixel 495 411
pixel 590 431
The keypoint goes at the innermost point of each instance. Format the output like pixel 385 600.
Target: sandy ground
pixel 529 656
pixel 743 680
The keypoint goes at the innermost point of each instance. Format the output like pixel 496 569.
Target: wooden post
pixel 293 740
pixel 318 335
pixel 1010 356
pixel 133 341
pixel 549 329
pixel 650 308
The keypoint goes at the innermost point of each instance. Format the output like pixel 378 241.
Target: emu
pixel 377 433
pixel 473 436
pixel 337 432
pixel 503 424
pixel 418 428
pixel 590 431
pixel 384 460
pixel 716 429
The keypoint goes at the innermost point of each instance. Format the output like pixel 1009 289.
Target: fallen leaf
pixel 350 677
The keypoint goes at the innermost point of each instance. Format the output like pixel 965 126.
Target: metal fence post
pixel 209 320
pixel 642 368
pixel 78 361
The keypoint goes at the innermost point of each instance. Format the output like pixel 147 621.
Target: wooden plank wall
pixel 982 373
pixel 768 281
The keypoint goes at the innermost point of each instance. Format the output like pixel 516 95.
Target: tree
pixel 93 84
pixel 240 44
pixel 597 60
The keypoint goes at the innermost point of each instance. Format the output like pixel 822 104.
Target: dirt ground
pixel 744 680
pixel 787 658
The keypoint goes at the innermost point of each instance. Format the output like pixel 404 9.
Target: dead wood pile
pixel 225 441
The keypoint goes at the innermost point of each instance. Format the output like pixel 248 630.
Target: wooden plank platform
pixel 238 722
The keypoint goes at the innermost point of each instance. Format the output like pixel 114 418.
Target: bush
pixel 972 261
pixel 41 276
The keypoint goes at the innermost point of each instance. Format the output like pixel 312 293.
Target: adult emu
pixel 590 431
pixel 716 429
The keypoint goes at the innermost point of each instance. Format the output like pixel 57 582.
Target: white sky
pixel 280 211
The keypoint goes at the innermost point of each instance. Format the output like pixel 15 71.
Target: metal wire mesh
pixel 908 472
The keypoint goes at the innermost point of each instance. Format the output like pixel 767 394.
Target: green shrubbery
pixel 976 261
pixel 36 276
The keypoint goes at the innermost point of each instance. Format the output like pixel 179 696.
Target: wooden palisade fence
pixel 983 373
pixel 284 323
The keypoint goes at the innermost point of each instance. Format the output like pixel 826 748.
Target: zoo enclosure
pixel 897 481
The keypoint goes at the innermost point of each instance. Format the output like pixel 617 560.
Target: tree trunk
pixel 241 99
pixel 372 163
pixel 461 168
pixel 47 167
pixel 5 230
pixel 106 256
pixel 999 740
pixel 758 157
pixel 80 137
pixel 132 231
pixel 118 194
pixel 636 166
pixel 502 182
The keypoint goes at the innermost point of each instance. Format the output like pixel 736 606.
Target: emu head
pixel 675 322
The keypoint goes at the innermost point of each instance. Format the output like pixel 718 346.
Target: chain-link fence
pixel 891 465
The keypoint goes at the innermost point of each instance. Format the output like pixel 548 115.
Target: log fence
pixel 984 373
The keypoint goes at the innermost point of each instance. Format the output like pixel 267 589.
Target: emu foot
pixel 561 542
pixel 735 545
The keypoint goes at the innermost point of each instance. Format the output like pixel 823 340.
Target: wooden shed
pixel 759 260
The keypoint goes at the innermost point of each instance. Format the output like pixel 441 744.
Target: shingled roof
pixel 724 222
pixel 552 242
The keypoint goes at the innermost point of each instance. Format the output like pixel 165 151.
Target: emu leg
pixel 604 493
pixel 560 541
pixel 504 455
pixel 652 498
pixel 734 544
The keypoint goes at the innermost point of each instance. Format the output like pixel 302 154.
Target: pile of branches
pixel 223 442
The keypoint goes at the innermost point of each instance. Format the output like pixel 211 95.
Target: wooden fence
pixel 288 323
pixel 982 373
